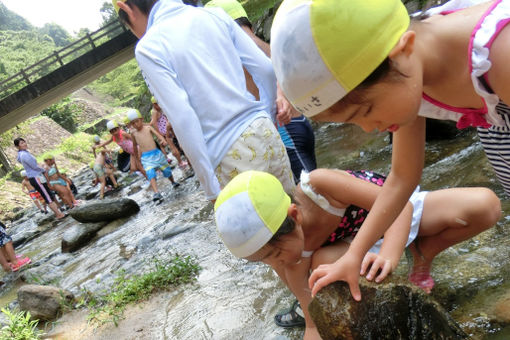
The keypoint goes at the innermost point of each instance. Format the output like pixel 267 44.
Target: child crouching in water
pixel 258 221
pixel 366 63
pixel 152 158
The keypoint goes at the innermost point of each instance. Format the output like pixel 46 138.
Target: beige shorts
pixel 258 148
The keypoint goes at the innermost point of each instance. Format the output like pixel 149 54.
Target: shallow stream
pixel 234 299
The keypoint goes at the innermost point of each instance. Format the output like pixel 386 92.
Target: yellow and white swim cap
pixel 114 3
pixel 133 114
pixel 153 100
pixel 249 211
pixel 232 7
pixel 322 49
pixel 111 124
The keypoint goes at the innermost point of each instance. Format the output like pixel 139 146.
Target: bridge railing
pixel 59 58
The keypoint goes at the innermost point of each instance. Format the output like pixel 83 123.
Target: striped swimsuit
pixel 492 121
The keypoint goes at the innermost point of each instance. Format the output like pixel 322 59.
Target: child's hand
pixel 376 263
pixel 346 269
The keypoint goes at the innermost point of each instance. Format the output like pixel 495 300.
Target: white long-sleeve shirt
pixel 192 61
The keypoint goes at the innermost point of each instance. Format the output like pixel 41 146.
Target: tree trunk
pixel 5 165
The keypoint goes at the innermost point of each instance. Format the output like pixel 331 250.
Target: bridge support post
pixel 5 165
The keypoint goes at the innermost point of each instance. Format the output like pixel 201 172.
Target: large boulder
pixel 79 235
pixel 389 310
pixel 105 210
pixel 43 302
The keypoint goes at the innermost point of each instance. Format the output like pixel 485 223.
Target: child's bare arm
pixel 161 139
pixel 24 187
pixel 407 165
pixel 135 144
pixel 297 280
pixel 102 144
pixel 395 239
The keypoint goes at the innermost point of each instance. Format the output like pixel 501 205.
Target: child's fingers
pixel 386 270
pixel 367 260
pixel 377 264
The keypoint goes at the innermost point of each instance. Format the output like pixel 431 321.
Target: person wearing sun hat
pixel 192 60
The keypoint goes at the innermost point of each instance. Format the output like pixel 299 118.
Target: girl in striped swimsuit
pixel 384 72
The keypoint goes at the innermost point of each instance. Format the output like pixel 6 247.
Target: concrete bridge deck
pixel 64 80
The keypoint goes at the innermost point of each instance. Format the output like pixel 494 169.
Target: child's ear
pixel 405 45
pixel 125 7
pixel 294 213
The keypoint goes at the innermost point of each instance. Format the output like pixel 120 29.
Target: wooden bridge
pixel 38 86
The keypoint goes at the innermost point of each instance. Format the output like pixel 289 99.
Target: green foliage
pixel 110 307
pixel 59 35
pixel 11 21
pixel 21 49
pixel 20 130
pixel 123 83
pixel 19 326
pixel 63 113
pixel 75 147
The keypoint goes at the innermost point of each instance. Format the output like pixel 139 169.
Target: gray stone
pixel 105 210
pixel 389 310
pixel 79 235
pixel 43 302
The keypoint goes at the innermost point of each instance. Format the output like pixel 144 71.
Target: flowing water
pixel 234 299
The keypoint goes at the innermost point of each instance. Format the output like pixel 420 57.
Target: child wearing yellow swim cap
pixel 258 221
pixel 365 62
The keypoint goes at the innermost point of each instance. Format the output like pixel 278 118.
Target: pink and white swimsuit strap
pixel 125 144
pixel 484 33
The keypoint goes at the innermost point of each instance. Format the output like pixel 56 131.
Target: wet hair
pixel 144 6
pixel 17 141
pixel 288 225
pixel 244 21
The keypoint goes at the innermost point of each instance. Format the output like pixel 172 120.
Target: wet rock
pixel 106 210
pixel 391 310
pixel 43 302
pixel 79 235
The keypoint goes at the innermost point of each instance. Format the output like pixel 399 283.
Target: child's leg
pixel 329 254
pixel 9 253
pixel 64 195
pixel 3 261
pixel 451 216
pixel 102 180
pixel 110 175
pixel 140 168
pixel 153 185
pixel 37 204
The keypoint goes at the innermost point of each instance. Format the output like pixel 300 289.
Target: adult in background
pixel 33 171
pixel 192 60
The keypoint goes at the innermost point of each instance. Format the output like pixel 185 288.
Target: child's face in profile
pixel 385 106
pixel 285 251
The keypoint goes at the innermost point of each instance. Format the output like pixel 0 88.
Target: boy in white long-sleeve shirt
pixel 192 60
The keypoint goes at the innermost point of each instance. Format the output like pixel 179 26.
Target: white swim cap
pixel 111 124
pixel 249 211
pixel 23 173
pixel 323 49
pixel 133 114
pixel 97 139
